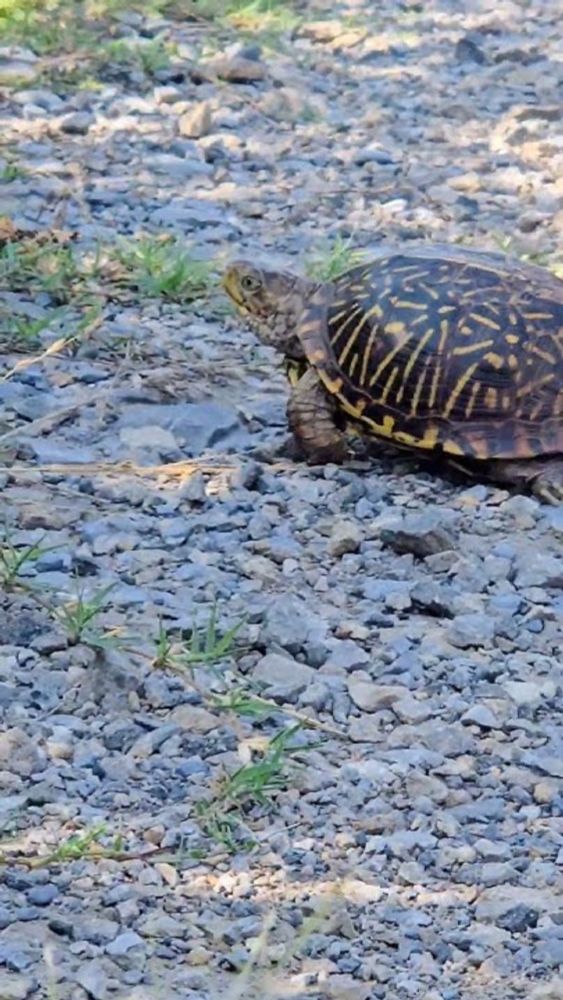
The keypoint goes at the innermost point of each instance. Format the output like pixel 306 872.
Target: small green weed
pixel 161 266
pixel 255 783
pixel 46 26
pixel 11 172
pixel 24 332
pixel 206 645
pixel 270 16
pixel 164 649
pixel 13 560
pixel 247 13
pixel 243 702
pixel 77 617
pixel 333 260
pixel 51 268
pixel 79 845
pixel 56 26
pixel 74 848
pixel 259 781
pixel 151 56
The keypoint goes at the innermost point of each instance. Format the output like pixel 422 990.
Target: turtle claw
pixel 549 493
pixel 548 484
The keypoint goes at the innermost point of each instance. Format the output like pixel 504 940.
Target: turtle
pixel 451 352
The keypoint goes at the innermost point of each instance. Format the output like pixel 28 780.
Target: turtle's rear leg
pixel 544 476
pixel 312 418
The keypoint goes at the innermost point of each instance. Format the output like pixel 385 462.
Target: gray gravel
pixel 417 849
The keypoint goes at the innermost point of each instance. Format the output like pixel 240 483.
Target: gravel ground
pixel 405 629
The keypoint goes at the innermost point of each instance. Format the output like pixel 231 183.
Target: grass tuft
pixel 161 266
pixel 23 332
pixel 12 171
pixel 78 846
pixel 57 26
pixel 77 618
pixel 255 783
pixel 206 645
pixel 249 14
pixel 151 56
pixel 14 560
pixel 333 259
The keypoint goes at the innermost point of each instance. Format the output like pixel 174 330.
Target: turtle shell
pixel 444 348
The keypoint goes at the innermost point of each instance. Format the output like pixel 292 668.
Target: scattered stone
pixel 93 979
pixel 158 438
pixel 283 676
pixel 480 715
pixel 19 753
pixel 77 123
pixel 524 692
pixel 236 69
pixel 471 630
pixel 196 122
pixel 420 534
pixel 345 537
pixel 518 919
pixel 372 697
pixel 467 50
pixel 17 65
pixel 290 624
pixel 193 718
pixel 539 569
pixel 125 943
pixel 192 488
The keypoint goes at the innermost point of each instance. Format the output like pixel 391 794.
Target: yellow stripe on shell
pixel 350 316
pixel 353 365
pixel 544 355
pixel 407 304
pixel 367 354
pixel 429 291
pixel 495 360
pixel 349 343
pixel 434 386
pixel 415 354
pixel 389 357
pixel 484 321
pixel 418 388
pixel 459 387
pixel 475 389
pixel 471 348
pixel 386 428
pixel 534 385
pixel 389 385
pixel 491 397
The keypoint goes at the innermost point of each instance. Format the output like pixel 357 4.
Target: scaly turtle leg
pixel 544 476
pixel 312 418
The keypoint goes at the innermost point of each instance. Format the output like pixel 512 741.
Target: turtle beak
pixel 232 287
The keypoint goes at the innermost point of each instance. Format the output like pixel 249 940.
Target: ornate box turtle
pixel 446 350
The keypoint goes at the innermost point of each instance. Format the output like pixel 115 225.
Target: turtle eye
pixel 249 283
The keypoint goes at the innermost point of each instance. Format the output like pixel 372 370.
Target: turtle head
pixel 271 301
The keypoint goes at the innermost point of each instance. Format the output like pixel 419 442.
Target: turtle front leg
pixel 312 416
pixel 543 476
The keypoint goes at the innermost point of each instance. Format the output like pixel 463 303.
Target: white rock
pixel 148 437
pixel 346 536
pixel 371 697
pixel 196 122
pixel 283 674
